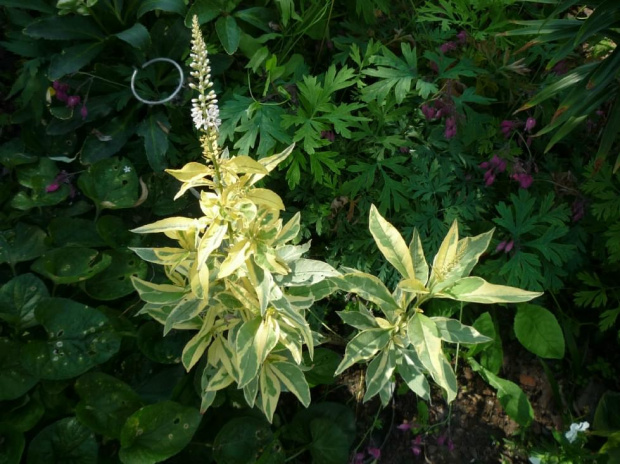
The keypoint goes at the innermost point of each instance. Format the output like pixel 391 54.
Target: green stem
pixel 301 451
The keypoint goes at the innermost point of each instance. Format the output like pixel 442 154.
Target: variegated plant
pixel 406 340
pixel 234 276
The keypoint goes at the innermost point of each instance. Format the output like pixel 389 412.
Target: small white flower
pixel 571 435
pixel 126 169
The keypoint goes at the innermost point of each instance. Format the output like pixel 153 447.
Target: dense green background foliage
pixel 408 105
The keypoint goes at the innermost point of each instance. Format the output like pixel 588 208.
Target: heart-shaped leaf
pixel 14 379
pixel 71 264
pixel 65 441
pixel 115 280
pixel 18 299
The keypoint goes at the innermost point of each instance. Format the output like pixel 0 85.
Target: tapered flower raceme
pixel 205 112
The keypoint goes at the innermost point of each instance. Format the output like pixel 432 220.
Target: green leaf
pixel 156 347
pixel 269 391
pixel 328 443
pixel 380 371
pixel 492 353
pixel 511 397
pixel 606 416
pixel 37 5
pixel 65 441
pixel 368 287
pixel 115 281
pixel 206 10
pixel 424 336
pixel 12 444
pixel 15 380
pixel 539 331
pixel 65 28
pixel 157 432
pixel 72 59
pixel 229 33
pixel 477 290
pixel 173 6
pixel 391 244
pixel 154 130
pixel 244 440
pixel 108 141
pixel 391 73
pixel 364 346
pixel 71 264
pixel 105 403
pixel 18 299
pixel 78 338
pixel 361 320
pixel 293 379
pixel 410 369
pixel 111 183
pixel 137 36
pixel 453 331
pixel 322 366
pixel 23 243
pixel 68 231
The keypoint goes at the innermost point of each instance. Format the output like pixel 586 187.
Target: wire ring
pixel 167 99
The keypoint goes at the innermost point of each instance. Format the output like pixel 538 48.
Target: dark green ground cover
pixel 412 106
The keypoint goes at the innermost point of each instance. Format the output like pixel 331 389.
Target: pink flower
pixel 404 426
pixel 441 439
pixel 52 187
pixel 359 458
pixel 499 164
pixel 530 123
pixel 450 128
pixel 501 246
pixel 73 101
pixel 428 111
pixel 448 47
pixel 416 445
pixel 84 111
pixel 509 246
pixel 525 180
pixel 450 445
pixel 489 177
pixel 462 37
pixel 507 127
pixel 374 452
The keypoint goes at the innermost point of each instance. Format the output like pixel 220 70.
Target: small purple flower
pixel 84 111
pixel 73 101
pixel 525 180
pixel 489 178
pixel 507 127
pixel 448 47
pixel 450 445
pixel 374 452
pixel 52 187
pixel 441 439
pixel 450 128
pixel 499 164
pixel 501 246
pixel 462 37
pixel 328 135
pixel 61 96
pixel 359 458
pixel 530 123
pixel 404 426
pixel 428 111
pixel 509 246
pixel 416 445
pixel 60 87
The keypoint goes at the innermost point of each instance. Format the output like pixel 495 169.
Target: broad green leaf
pixel 71 264
pixel 269 391
pixel 67 231
pixel 446 257
pixel 13 444
pixel 606 416
pixel 157 293
pixel 24 414
pixel 293 379
pixel 229 33
pixel 111 183
pixel 115 233
pixel 65 441
pixel 243 440
pixel 173 6
pixel 453 331
pixel 78 338
pixel 154 130
pixel 364 346
pixel 322 366
pixel 157 432
pixel 369 288
pixel 477 290
pixel 115 281
pixel 18 299
pixel 391 244
pixel 410 369
pixel 380 371
pixel 137 36
pixel 511 397
pixel 206 11
pixel 78 28
pixel 15 380
pixel 37 5
pixel 492 353
pixel 539 331
pixel 416 251
pixel 424 336
pixel 108 140
pixel 160 349
pixel 72 59
pixel 105 403
pixel 23 243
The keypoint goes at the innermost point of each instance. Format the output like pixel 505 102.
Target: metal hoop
pixel 167 99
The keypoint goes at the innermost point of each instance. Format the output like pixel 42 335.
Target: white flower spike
pixel 571 435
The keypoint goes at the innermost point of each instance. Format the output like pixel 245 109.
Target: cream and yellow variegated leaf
pixel 446 256
pixel 157 293
pixel 305 272
pixel 420 266
pixel 379 371
pixel 196 347
pixel 192 184
pixel 293 379
pixel 250 391
pixel 243 164
pixel 267 258
pixel 410 369
pixel 199 281
pixel 220 380
pixel 287 314
pixel 391 244
pixel 291 340
pixel 169 224
pixel 166 256
pixel 290 230
pixel 186 309
pixel 289 253
pixel 207 397
pixel 369 288
pixel 270 163
pixel 237 254
pixel 453 331
pixel 266 198
pixel 413 286
pixel 300 302
pixel 478 290
pixel 244 296
pixel 262 282
pixel 255 340
pixel 191 171
pixel 161 312
pixel 270 391
pixel 210 241
pixel 246 210
pixel 364 346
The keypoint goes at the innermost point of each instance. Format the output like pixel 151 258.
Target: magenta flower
pixel 52 187
pixel 509 246
pixel 501 246
pixel 374 452
pixel 416 445
pixel 328 135
pixel 404 426
pixel 428 111
pixel 525 180
pixel 450 128
pixel 73 101
pixel 448 47
pixel 530 123
pixel 489 178
pixel 441 439
pixel 507 127
pixel 359 458
pixel 84 111
pixel 499 164
pixel 462 37
pixel 450 445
